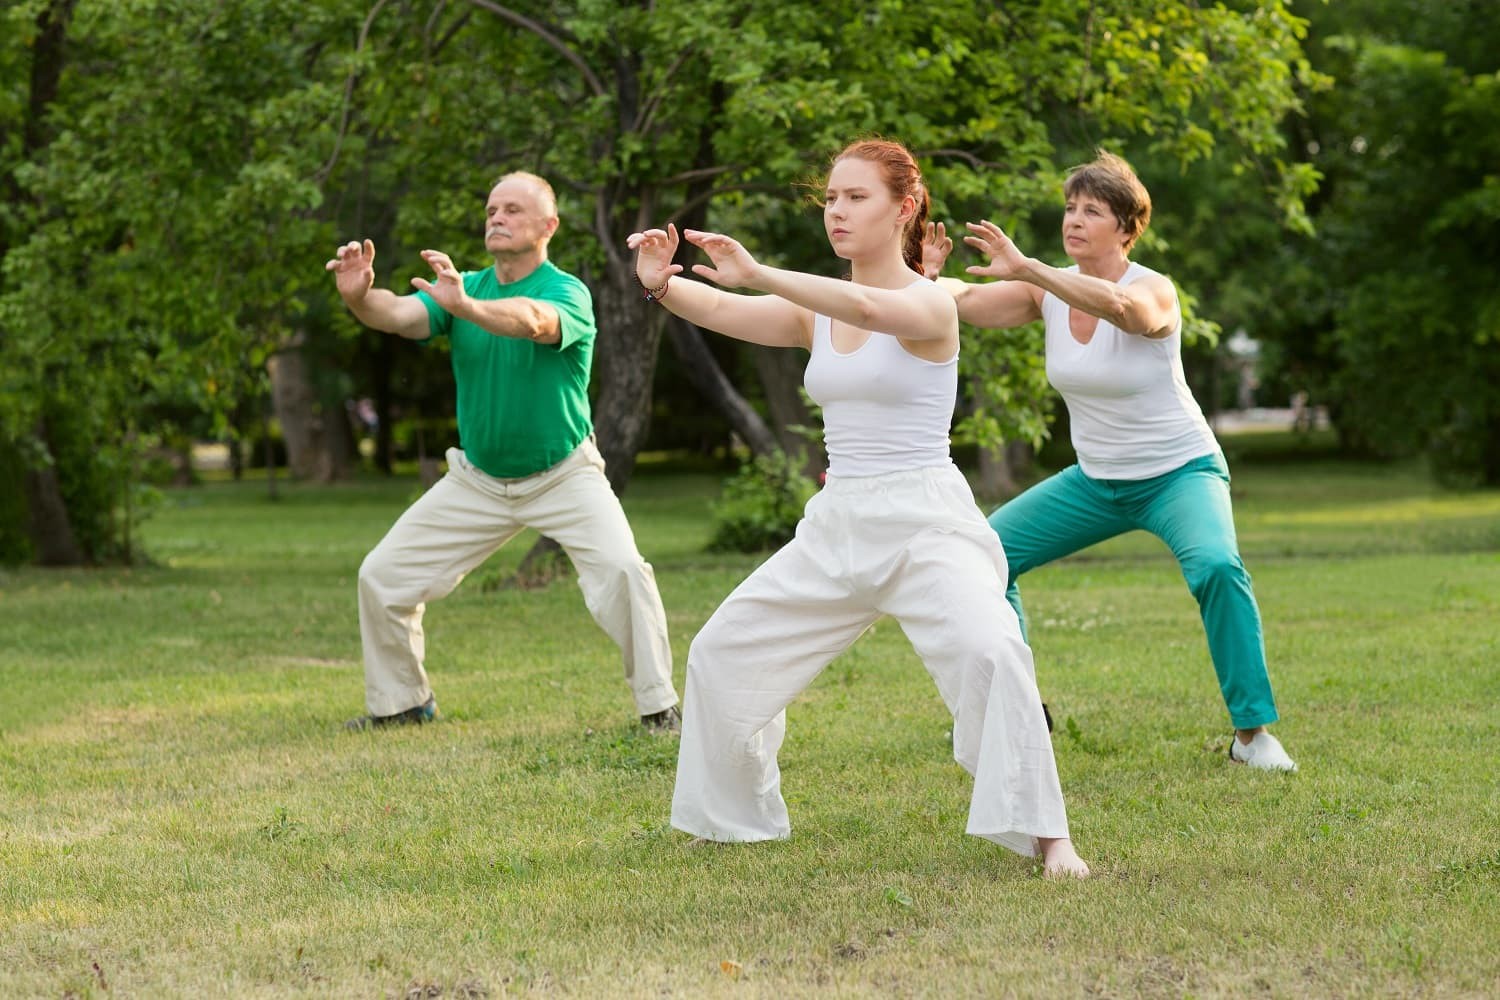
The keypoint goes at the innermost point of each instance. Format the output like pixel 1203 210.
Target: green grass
pixel 180 814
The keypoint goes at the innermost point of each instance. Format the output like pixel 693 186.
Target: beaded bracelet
pixel 654 294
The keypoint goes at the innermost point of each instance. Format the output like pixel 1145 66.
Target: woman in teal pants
pixel 1146 457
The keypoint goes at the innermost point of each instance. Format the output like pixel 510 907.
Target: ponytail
pixel 916 230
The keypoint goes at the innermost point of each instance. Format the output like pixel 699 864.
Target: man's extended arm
pixel 353 268
pixel 526 319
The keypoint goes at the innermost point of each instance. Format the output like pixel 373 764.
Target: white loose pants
pixel 467 515
pixel 912 545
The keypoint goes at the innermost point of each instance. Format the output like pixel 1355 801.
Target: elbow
pixel 543 326
pixel 1121 316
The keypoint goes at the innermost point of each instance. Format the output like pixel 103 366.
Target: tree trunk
pixel 624 361
pixel 1490 463
pixel 780 372
pixel 237 441
pixel 317 441
pixel 270 446
pixel 709 379
pixel 48 524
pixel 50 528
pixel 1002 469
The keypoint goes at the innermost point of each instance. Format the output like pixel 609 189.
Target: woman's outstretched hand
pixel 655 249
pixel 936 246
pixel 733 266
pixel 1005 260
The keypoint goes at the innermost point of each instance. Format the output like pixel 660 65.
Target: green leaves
pixel 205 158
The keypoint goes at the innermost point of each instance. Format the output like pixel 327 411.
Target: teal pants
pixel 1188 508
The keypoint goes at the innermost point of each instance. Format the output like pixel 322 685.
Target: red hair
pixel 904 178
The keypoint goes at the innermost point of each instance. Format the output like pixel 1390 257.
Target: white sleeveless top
pixel 884 409
pixel 1132 414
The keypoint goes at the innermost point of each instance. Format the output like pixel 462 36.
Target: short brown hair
pixel 1110 179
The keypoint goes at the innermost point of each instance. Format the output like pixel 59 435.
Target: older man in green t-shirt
pixel 522 339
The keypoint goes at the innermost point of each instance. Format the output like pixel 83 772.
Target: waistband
pixel 890 480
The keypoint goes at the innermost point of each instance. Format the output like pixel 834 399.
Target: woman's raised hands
pixel 733 266
pixel 655 249
pixel 1006 261
pixel 936 246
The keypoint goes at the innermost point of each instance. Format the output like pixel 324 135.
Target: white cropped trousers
pixel 912 545
pixel 467 515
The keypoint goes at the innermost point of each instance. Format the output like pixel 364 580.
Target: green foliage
pixel 761 504
pixel 1391 315
pixel 1010 399
pixel 203 159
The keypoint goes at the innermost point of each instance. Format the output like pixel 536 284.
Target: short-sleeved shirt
pixel 522 406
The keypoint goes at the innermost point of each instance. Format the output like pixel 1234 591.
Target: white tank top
pixel 1132 414
pixel 884 409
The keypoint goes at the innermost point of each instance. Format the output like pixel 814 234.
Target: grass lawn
pixel 182 815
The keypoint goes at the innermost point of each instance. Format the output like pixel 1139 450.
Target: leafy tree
pixel 678 105
pixel 1391 314
pixel 204 159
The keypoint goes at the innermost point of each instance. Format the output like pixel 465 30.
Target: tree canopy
pixel 175 188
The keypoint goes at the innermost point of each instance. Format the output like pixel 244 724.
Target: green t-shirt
pixel 522 406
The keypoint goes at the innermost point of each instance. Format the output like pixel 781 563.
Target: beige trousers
pixel 466 516
pixel 911 545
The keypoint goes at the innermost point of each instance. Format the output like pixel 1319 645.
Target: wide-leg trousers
pixel 912 545
pixel 1189 509
pixel 466 516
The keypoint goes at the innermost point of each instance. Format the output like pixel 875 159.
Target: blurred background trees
pixel 176 173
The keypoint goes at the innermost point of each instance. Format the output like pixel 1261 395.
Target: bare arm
pixel 914 314
pixel 354 273
pixel 1147 308
pixel 757 319
pixel 522 318
pixel 997 306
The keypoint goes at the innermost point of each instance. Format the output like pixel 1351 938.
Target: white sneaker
pixel 1263 751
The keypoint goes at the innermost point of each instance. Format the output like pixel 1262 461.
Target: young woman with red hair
pixel 894 532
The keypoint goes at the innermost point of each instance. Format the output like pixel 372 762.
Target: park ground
pixel 181 813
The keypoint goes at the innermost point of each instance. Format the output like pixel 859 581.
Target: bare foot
pixel 1059 860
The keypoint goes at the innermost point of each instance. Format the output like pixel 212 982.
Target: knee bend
pixel 1215 569
pixel 706 652
pixel 370 571
pixel 615 578
pixel 720 651
pixel 386 580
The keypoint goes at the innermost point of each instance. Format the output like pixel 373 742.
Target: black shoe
pixel 1047 715
pixel 668 720
pixel 425 712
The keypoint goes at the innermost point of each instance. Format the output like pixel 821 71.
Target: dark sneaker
pixel 668 720
pixel 425 712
